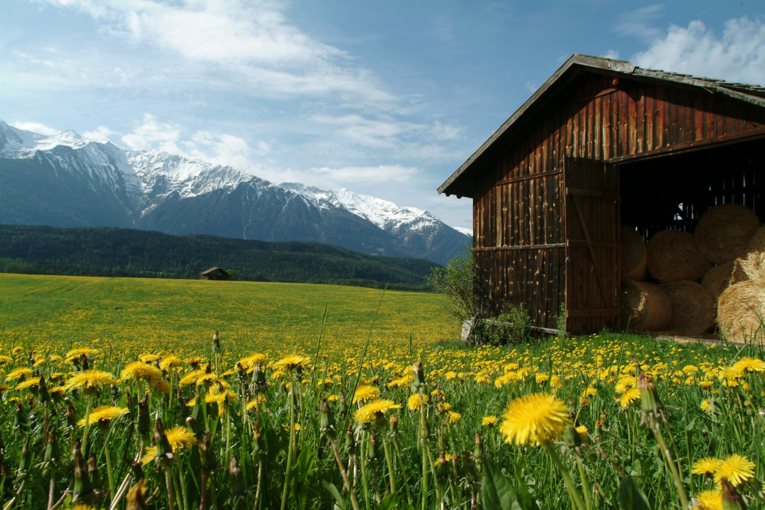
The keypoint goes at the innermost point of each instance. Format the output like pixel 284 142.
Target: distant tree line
pixel 137 253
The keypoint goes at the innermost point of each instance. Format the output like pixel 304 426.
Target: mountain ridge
pixel 74 181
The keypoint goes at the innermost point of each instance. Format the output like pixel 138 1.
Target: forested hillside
pixel 127 252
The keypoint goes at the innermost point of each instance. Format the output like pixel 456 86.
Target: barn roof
pixel 214 269
pixel 753 94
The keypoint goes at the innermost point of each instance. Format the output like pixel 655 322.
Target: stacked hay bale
pixel 726 254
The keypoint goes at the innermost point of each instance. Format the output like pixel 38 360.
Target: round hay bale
pixel 724 231
pixel 645 307
pixel 752 266
pixel 717 279
pixel 738 274
pixel 673 256
pixel 693 307
pixel 741 311
pixel 633 254
pixel 757 241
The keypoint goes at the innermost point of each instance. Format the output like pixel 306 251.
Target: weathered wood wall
pixel 518 206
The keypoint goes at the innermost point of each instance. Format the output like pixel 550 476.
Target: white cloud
pixel 367 131
pixel 738 55
pixel 614 54
pixel 449 131
pixel 248 40
pixel 154 135
pixel 101 133
pixel 639 23
pixel 36 127
pixel 216 148
pixel 366 174
pixel 531 86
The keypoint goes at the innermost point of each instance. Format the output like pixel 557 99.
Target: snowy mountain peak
pixel 13 140
pixel 383 213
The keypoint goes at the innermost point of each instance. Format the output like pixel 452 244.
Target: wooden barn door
pixel 592 245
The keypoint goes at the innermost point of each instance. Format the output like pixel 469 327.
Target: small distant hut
pixel 215 273
pixel 601 143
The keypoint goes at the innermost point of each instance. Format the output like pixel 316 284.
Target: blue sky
pixel 384 98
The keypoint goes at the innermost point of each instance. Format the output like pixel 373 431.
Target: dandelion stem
pixel 88 403
pixel 109 472
pixel 668 455
pixel 364 480
pixel 576 499
pixel 291 445
pixel 585 482
pixel 389 461
pixel 344 475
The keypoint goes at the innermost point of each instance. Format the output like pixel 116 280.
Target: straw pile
pixel 717 279
pixel 673 256
pixel 724 231
pixel 645 307
pixel 693 307
pixel 741 310
pixel 633 254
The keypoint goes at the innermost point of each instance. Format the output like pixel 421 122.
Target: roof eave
pixel 620 66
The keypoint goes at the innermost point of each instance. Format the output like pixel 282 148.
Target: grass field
pixel 60 312
pixel 340 423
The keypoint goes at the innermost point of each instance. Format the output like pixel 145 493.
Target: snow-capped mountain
pixel 67 180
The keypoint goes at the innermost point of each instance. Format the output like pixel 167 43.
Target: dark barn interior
pixel 671 192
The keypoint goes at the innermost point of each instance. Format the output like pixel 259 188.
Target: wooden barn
pixel 602 143
pixel 215 273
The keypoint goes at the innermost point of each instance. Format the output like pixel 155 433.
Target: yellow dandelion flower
pixel 277 374
pixel 414 402
pixel 454 417
pixel 76 353
pixel 170 362
pixel 191 377
pixel 163 387
pixel 5 360
pixel 482 378
pixel 374 410
pixel 55 358
pixel 140 371
pixel 148 358
pixel 748 365
pixel 258 401
pixel 402 381
pixel 29 383
pixel 489 421
pixel 736 468
pixel 90 379
pixel 291 362
pixel 450 375
pixel 539 418
pixel 541 378
pixel 332 398
pixel 39 362
pixel 582 430
pixel 103 414
pixel 18 373
pixel 178 437
pixel 709 500
pixel 629 396
pixel 4 388
pixel 206 379
pixel 365 392
pixel 706 466
pixel 252 360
